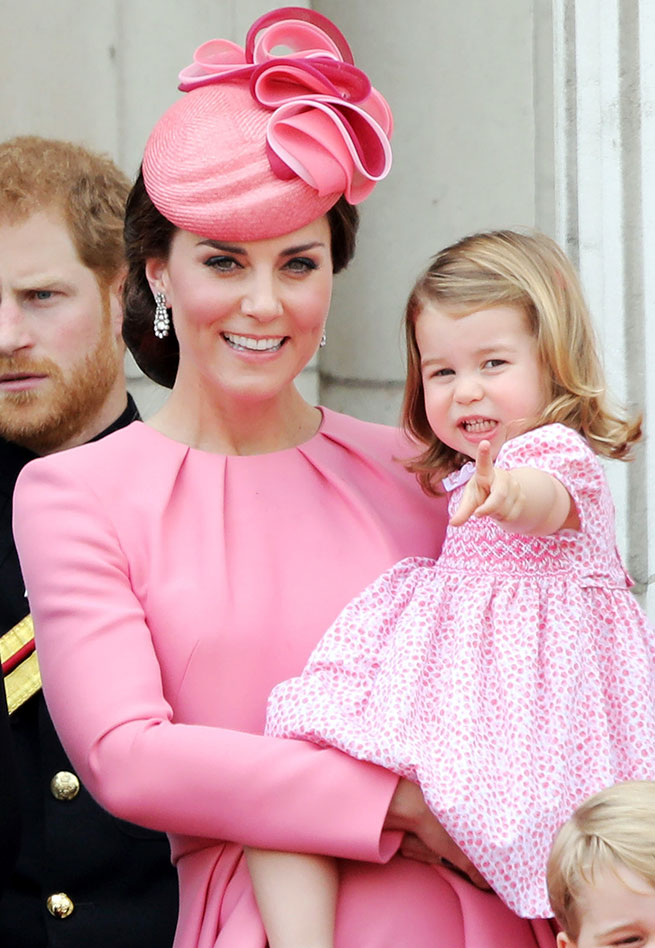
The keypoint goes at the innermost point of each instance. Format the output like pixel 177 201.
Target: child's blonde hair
pixel 531 272
pixel 616 827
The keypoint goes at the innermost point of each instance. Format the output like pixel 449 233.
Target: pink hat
pixel 263 144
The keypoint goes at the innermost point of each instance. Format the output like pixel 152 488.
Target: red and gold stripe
pixel 20 665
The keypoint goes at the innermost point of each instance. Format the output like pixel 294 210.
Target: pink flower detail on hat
pixel 328 126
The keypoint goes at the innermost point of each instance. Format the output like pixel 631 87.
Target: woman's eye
pixel 42 295
pixel 300 265
pixel 225 264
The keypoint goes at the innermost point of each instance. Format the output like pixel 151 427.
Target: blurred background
pixel 508 113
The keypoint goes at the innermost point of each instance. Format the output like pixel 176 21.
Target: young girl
pixel 514 676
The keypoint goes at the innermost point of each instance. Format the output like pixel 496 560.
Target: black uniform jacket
pixel 83 879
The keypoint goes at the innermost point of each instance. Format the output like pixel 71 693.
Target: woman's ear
pixel 156 274
pixel 563 941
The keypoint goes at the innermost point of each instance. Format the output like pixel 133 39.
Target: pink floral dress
pixel 512 677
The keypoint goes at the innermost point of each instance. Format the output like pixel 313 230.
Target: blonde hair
pixel 614 828
pixel 87 189
pixel 531 272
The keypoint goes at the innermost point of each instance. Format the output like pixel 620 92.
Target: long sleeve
pixel 103 684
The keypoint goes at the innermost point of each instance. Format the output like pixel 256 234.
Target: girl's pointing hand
pixel 491 492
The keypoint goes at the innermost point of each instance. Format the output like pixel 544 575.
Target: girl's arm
pixel 522 500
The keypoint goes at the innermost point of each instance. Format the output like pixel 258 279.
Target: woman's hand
pixel 425 838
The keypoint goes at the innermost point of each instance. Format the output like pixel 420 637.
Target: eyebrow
pixel 485 350
pixel 624 927
pixel 218 245
pixel 41 281
pixel 233 248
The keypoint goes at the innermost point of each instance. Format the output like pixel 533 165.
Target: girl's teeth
pixel 479 425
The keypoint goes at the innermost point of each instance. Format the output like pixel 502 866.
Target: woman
pixel 168 609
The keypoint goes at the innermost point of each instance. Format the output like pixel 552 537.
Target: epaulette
pixel 20 665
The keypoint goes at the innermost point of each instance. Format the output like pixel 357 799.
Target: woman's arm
pixel 103 683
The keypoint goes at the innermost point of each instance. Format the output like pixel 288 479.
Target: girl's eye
pixel 300 265
pixel 494 363
pixel 224 264
pixel 442 373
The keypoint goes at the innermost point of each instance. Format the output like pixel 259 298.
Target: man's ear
pixel 116 301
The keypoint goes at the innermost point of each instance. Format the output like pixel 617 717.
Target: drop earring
pixel 162 322
pixel 323 341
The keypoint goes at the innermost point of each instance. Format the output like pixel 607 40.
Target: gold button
pixel 59 905
pixel 64 785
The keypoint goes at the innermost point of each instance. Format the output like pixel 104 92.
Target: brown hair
pixel 531 272
pixel 87 189
pixel 614 828
pixel 149 234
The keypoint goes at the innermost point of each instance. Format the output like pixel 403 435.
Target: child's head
pixel 601 870
pixel 532 274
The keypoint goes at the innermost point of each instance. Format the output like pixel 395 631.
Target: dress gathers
pixel 171 588
pixel 512 678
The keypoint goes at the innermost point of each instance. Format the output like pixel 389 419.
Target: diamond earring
pixel 162 322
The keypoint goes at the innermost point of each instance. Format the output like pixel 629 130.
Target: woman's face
pixel 248 315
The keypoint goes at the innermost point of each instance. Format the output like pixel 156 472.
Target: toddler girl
pixel 514 676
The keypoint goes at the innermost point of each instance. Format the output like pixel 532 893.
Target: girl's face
pixel 248 315
pixel 482 376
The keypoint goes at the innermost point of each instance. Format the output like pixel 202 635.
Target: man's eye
pixel 42 295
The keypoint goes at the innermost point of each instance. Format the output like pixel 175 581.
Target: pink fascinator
pixel 268 137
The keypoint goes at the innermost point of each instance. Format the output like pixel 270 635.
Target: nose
pixel 14 330
pixel 261 298
pixel 467 388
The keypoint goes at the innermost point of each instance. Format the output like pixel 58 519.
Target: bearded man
pixel 81 877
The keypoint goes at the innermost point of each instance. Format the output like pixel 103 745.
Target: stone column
pixel 605 146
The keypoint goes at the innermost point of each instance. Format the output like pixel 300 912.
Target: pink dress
pixel 171 589
pixel 512 678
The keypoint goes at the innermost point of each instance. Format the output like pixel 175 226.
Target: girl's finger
pixel 467 506
pixel 484 466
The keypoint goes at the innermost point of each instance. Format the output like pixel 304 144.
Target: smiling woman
pixel 185 566
pixel 248 318
pixel 148 237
